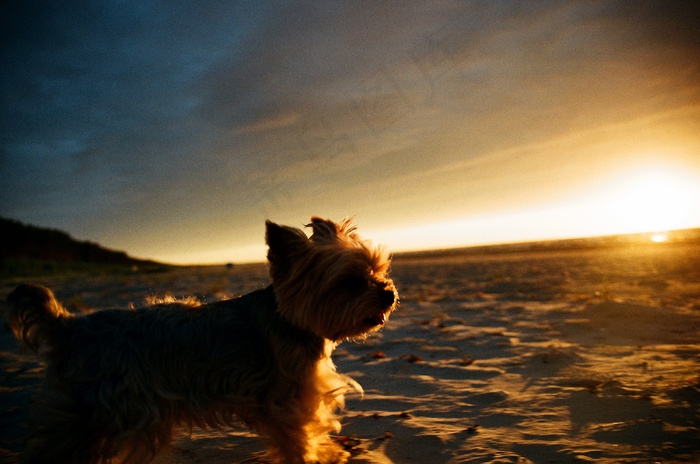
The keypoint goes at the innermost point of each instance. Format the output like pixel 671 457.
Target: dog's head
pixel 333 284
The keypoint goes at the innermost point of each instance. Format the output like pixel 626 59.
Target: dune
pixel 555 357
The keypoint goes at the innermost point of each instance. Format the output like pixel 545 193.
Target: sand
pixel 579 356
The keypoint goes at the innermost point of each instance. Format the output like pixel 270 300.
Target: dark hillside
pixel 30 250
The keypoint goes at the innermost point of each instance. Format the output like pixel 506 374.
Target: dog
pixel 118 381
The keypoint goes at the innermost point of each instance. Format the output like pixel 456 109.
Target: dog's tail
pixel 35 316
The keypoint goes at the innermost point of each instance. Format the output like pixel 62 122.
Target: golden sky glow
pixel 435 125
pixel 649 199
pixel 653 198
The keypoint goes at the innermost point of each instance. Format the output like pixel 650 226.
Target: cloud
pixel 176 116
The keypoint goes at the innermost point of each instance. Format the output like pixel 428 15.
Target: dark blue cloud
pixel 102 93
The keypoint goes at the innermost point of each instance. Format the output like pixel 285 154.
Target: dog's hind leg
pixel 58 434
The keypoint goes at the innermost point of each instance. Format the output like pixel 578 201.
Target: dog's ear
pixel 324 230
pixel 327 231
pixel 284 242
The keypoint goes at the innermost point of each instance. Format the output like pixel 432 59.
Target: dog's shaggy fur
pixel 118 381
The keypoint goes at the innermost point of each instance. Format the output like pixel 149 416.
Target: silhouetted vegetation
pixel 27 250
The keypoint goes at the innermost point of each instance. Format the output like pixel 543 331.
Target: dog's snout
pixel 387 297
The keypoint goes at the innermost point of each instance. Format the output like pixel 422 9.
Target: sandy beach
pixel 559 357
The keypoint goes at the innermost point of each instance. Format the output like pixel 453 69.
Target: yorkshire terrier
pixel 118 381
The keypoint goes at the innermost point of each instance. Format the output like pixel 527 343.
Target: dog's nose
pixel 387 297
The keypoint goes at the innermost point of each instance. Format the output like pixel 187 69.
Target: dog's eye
pixel 353 284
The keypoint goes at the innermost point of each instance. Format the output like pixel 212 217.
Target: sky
pixel 173 130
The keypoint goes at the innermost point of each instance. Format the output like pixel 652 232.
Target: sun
pixel 651 199
pixel 659 237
